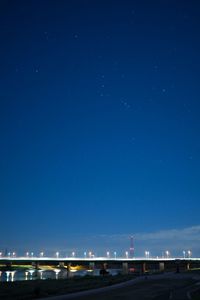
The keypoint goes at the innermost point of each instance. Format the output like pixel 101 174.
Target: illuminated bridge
pixel 126 265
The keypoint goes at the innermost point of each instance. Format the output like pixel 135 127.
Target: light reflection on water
pixel 48 274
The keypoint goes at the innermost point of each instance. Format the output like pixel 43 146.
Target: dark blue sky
pixel 99 118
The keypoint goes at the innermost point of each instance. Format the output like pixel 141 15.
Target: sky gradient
pixel 99 120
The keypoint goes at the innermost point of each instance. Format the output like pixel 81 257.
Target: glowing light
pixel 147 254
pixel 41 274
pixel 26 275
pixel 115 254
pixel 126 253
pixel 108 254
pixel 57 254
pixel 31 272
pixel 57 271
pixel 12 273
pixel 7 275
pixel 41 254
pixel 167 253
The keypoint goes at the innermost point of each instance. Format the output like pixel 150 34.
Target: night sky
pixel 99 120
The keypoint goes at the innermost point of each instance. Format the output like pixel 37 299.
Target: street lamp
pixel 27 254
pixel 14 254
pixel 57 254
pixel 115 254
pixel 31 254
pixel 90 254
pixel 126 253
pixel 167 253
pixel 41 254
pixel 0 254
pixel 73 254
pixel 108 254
pixel 183 253
pixel 147 254
pixel 189 253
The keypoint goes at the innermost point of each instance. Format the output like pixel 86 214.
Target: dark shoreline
pixel 33 289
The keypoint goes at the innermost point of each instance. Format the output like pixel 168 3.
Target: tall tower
pixel 131 250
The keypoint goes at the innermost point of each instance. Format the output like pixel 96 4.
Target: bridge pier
pixel 92 266
pixel 61 264
pixel 68 270
pixel 143 267
pixel 124 268
pixel 161 266
pixel 35 265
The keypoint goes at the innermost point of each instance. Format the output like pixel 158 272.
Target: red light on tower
pixel 131 250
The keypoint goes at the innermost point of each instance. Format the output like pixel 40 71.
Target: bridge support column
pixel 61 264
pixel 68 270
pixel 143 267
pixel 92 267
pixel 124 268
pixel 161 266
pixel 36 267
